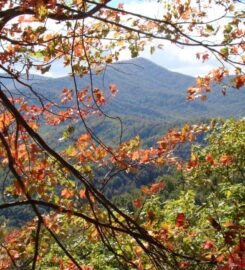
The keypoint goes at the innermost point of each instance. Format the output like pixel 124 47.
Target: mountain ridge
pixel 147 90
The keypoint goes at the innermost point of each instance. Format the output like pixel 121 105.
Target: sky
pixel 172 57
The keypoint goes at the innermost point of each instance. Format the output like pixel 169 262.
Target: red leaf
pixel 150 215
pixel 180 220
pixel 137 203
pixel 208 244
pixel 209 159
pixel 113 88
pixel 239 81
pixel 205 57
pixel 184 265
pixel 99 97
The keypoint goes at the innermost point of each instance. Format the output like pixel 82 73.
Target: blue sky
pixel 172 57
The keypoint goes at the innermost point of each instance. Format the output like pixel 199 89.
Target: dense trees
pixel 204 221
pixel 59 186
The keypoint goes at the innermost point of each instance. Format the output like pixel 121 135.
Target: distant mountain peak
pixel 141 61
pixel 141 64
pixel 148 91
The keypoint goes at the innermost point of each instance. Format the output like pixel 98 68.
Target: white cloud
pixel 172 57
pixel 181 60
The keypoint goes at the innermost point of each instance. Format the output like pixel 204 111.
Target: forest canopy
pixel 72 223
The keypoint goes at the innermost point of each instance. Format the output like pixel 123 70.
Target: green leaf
pixel 228 28
pixel 224 52
pixel 209 28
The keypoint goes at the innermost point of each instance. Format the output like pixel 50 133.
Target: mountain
pixel 150 100
pixel 149 96
pixel 151 91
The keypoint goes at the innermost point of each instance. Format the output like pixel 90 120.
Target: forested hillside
pixel 150 99
pixel 147 90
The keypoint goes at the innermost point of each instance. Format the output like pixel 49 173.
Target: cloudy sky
pixel 173 57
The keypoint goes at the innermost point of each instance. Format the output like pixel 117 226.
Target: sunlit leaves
pixel 67 194
pixel 204 84
pixel 154 188
pixel 217 157
pixel 180 224
pixel 88 37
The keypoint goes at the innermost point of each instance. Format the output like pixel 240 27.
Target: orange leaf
pixel 192 163
pixel 82 194
pixel 144 156
pixel 52 3
pixel 67 193
pixel 135 155
pixel 156 187
pixel 226 159
pixel 145 190
pixel 26 19
pixel 84 138
pixel 78 50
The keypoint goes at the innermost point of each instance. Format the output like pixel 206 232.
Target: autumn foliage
pixel 73 224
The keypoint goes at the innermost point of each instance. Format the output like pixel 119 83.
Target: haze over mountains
pixel 149 93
